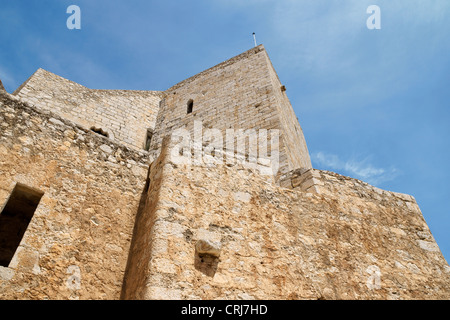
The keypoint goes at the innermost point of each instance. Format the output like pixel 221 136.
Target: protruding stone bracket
pixel 207 255
pixel 308 180
pixel 208 247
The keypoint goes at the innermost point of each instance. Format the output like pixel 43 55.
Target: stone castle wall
pixel 354 242
pixel 241 93
pixel 117 222
pixel 294 141
pixel 85 219
pixel 124 114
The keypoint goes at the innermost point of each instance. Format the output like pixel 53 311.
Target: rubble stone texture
pixel 124 115
pixel 118 222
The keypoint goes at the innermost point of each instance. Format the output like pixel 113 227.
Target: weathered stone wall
pixel 294 140
pixel 143 243
pixel 189 231
pixel 84 222
pixel 355 242
pixel 240 93
pixel 125 115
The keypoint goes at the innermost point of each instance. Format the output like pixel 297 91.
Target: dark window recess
pixel 14 220
pixel 148 139
pixel 100 131
pixel 190 106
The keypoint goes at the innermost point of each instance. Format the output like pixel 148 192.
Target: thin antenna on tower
pixel 254 38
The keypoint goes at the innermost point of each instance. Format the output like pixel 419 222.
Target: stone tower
pixel 241 93
pixel 95 204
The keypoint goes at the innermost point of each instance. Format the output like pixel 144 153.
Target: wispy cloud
pixel 361 169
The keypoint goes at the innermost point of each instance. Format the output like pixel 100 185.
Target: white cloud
pixel 360 169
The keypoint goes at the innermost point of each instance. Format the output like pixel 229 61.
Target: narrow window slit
pixel 14 220
pixel 190 106
pixel 148 139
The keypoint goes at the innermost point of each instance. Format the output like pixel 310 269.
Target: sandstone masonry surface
pixel 118 222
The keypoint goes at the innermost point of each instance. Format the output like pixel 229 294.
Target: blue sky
pixel 373 104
